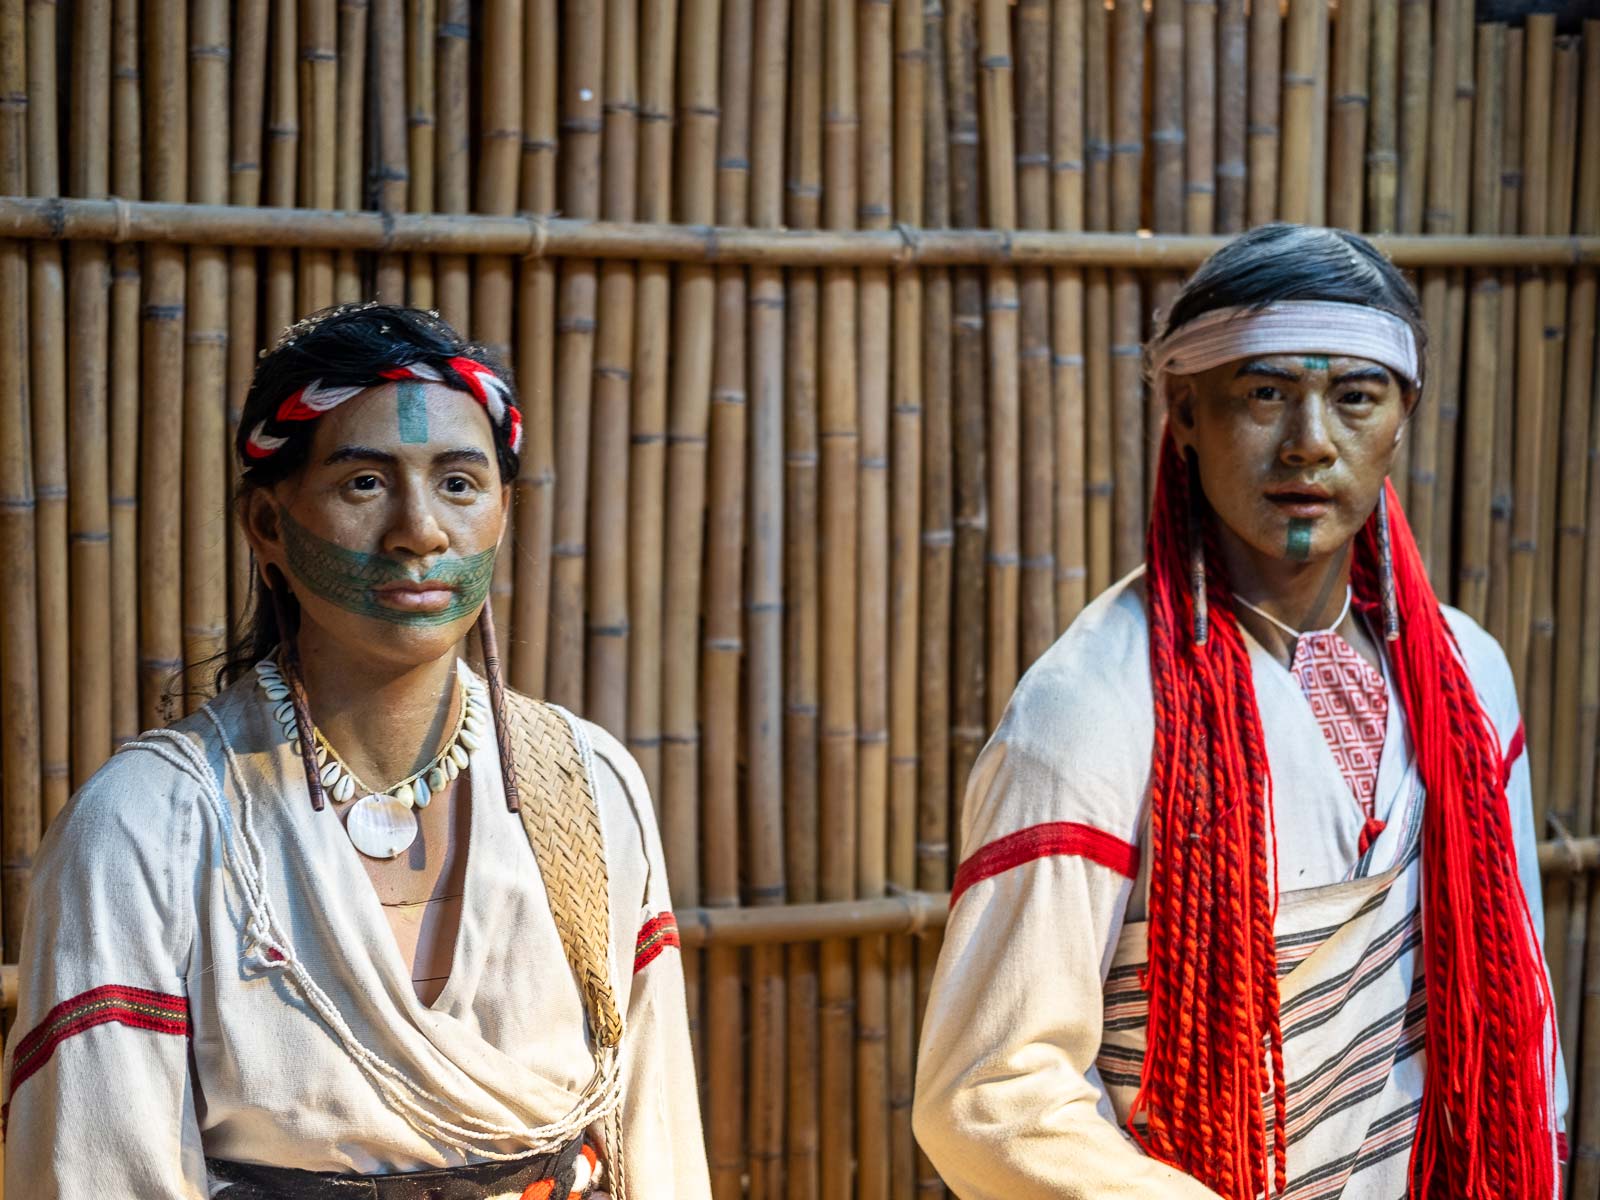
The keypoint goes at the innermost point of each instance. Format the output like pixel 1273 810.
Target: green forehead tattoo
pixel 413 413
pixel 1315 362
pixel 1299 538
pixel 347 577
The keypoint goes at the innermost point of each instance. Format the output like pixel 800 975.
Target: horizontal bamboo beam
pixel 902 913
pixel 120 221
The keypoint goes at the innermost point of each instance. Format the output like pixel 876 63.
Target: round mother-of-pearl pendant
pixel 381 826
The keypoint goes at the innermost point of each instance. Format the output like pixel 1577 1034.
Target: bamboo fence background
pixel 795 513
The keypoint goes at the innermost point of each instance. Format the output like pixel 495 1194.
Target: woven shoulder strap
pixel 563 824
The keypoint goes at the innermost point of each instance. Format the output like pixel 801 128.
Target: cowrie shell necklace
pixel 381 824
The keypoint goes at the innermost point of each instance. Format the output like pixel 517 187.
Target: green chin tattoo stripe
pixel 413 413
pixel 347 577
pixel 1299 546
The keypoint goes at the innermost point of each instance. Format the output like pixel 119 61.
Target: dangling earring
pixel 497 699
pixel 1197 551
pixel 279 589
pixel 1391 606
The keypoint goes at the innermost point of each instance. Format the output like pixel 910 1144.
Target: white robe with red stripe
pixel 151 1033
pixel 1034 1036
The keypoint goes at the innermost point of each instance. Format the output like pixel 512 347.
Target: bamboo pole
pixel 283 147
pixel 1483 343
pixel 802 616
pixel 89 511
pixel 1416 39
pixel 605 669
pixel 1499 603
pixel 1097 206
pixel 205 369
pixel 1383 156
pixel 762 812
pixel 123 383
pixel 245 124
pixel 875 45
pixel 1200 98
pixel 1301 150
pixel 840 438
pixel 452 139
pixel 319 117
pixel 349 121
pixel 161 425
pixel 47 398
pixel 1170 77
pixel 1529 429
pixel 391 184
pixel 19 663
pixel 1037 428
pixel 1067 362
pixel 722 644
pixel 536 296
pixel 1230 82
pixel 1129 444
pixel 905 598
pixel 648 421
pixel 1351 107
pixel 422 69
pixel 1266 65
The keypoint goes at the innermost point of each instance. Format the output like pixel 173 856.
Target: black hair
pixel 1280 262
pixel 343 346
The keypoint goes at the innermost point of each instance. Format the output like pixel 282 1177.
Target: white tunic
pixel 1035 1030
pixel 156 1033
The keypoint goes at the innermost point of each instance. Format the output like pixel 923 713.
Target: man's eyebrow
pixel 1257 367
pixel 1373 374
pixel 359 454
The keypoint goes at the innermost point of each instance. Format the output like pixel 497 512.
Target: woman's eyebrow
pixel 359 454
pixel 463 454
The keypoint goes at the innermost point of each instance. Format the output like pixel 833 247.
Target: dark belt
pixel 251 1181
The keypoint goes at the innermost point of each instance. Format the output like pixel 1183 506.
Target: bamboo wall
pixel 793 522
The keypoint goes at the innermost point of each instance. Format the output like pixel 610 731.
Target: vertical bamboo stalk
pixel 19 663
pixel 1038 449
pixel 1351 105
pixel 1383 155
pixel 126 174
pixel 244 276
pixel 392 167
pixel 283 145
pixel 839 430
pixel 1097 204
pixel 875 195
pixel 606 668
pixel 1539 33
pixel 1411 183
pixel 1301 150
pixel 1200 97
pixel 1127 158
pixel 47 398
pixel 905 598
pixel 1499 609
pixel 1066 286
pixel 319 117
pixel 452 279
pixel 89 511
pixel 1483 343
pixel 536 305
pixel 161 425
pixel 350 113
pixel 1169 80
pixel 763 814
pixel 583 54
pixel 422 69
pixel 1231 84
pixel 1266 64
pixel 802 617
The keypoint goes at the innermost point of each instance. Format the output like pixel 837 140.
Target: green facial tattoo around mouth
pixel 1299 544
pixel 348 577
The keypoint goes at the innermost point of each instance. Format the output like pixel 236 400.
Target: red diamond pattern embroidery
pixel 1351 704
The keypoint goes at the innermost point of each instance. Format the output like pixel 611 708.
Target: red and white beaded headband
pixel 1288 327
pixel 311 401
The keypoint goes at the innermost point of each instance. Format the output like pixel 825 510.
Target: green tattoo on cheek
pixel 1315 362
pixel 1299 547
pixel 413 413
pixel 347 577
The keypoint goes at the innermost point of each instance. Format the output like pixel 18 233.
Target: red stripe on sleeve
pixel 1519 742
pixel 659 932
pixel 1042 841
pixel 138 1008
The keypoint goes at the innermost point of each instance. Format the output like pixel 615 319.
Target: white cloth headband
pixel 1288 327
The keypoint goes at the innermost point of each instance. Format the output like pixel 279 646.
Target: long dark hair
pixel 343 346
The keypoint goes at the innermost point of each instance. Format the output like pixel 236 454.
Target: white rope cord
pixel 418 1107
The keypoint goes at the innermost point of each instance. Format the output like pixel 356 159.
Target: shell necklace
pixel 381 824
